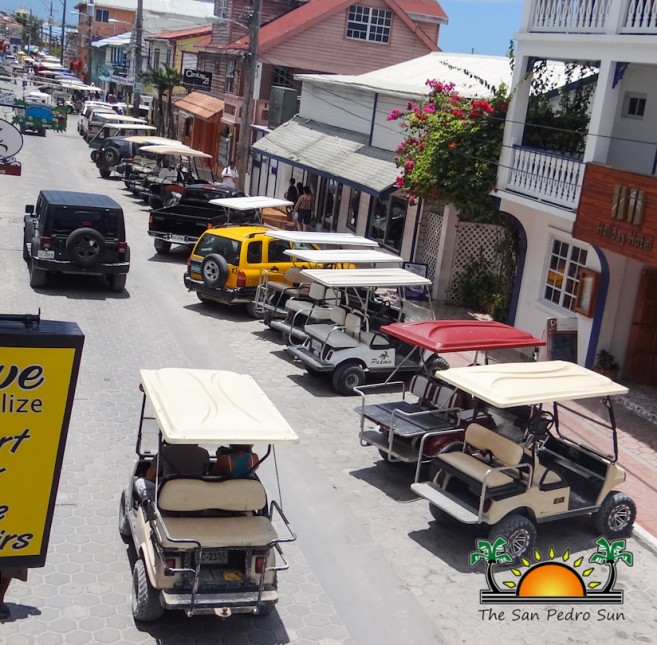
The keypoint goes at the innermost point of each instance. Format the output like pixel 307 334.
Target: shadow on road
pixel 393 479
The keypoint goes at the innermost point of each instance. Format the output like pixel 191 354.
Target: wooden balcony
pixel 593 17
pixel 233 106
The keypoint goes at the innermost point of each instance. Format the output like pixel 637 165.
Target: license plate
pixel 178 239
pixel 45 255
pixel 195 267
pixel 215 557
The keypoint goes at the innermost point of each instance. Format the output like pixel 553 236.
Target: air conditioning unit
pixel 283 105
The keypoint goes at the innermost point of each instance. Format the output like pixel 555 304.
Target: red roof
pixel 423 7
pixel 177 34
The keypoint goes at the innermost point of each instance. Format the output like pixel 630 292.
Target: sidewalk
pixel 636 420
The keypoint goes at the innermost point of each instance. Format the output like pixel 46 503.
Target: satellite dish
pixel 11 140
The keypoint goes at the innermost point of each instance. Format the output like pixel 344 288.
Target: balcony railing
pixel 547 177
pixel 594 16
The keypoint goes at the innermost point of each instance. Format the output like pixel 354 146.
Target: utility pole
pixel 50 29
pixel 250 66
pixel 139 28
pixel 90 18
pixel 61 55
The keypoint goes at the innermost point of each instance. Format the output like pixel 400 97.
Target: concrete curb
pixel 647 539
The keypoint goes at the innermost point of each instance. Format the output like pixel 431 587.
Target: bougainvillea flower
pixel 394 115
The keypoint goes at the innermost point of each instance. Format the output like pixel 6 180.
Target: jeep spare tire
pixel 111 156
pixel 94 155
pixel 84 247
pixel 214 270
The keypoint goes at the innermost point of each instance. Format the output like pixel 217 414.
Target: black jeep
pixel 115 154
pixel 79 233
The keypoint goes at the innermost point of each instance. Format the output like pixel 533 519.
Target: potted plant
pixel 606 364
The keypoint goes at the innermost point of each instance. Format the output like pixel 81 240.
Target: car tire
pixel 105 173
pixel 84 247
pixel 346 377
pixel 42 132
pixel 117 282
pixel 170 201
pixel 94 155
pixel 111 156
pixel 161 246
pixel 124 521
pixel 26 253
pixel 616 515
pixel 518 531
pixel 154 202
pixel 214 270
pixel 203 299
pixel 146 606
pixel 435 363
pixel 38 277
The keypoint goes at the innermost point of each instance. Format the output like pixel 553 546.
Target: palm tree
pixel 494 554
pixel 163 80
pixel 609 554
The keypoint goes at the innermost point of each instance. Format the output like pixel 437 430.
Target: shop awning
pixel 201 105
pixel 340 154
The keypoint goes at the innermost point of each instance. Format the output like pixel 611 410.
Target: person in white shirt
pixel 229 175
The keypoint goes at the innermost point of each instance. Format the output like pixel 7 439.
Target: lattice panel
pixel 472 240
pixel 429 239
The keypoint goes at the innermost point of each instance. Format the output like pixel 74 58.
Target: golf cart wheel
pixel 616 515
pixel 146 604
pixel 161 246
pixel 105 173
pixel 346 377
pixel 434 468
pixel 441 516
pixel 519 533
pixel 214 270
pixel 252 311
pixel 94 155
pixel 437 363
pixel 124 521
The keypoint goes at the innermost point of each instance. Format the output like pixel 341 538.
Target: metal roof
pixel 213 406
pixel 334 152
pixel 509 384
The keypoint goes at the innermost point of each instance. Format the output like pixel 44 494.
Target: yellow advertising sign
pixel 36 394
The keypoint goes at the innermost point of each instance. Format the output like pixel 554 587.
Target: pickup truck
pixel 184 222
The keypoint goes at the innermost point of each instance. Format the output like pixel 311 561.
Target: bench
pixel 490 463
pixel 183 504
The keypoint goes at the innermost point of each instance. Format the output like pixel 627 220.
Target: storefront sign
pixel 39 363
pixel 197 79
pixel 618 212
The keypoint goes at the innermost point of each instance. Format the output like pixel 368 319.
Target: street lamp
pixel 250 67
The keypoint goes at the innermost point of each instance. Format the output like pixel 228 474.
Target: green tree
pixel 164 81
pixel 493 553
pixel 609 553
pixel 31 28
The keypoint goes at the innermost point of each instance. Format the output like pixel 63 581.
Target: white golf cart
pixel 349 346
pixel 510 487
pixel 204 544
pixel 290 312
pixel 428 416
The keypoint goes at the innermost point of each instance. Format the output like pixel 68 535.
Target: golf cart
pixel 290 312
pixel 511 487
pixel 205 544
pixel 349 345
pixel 429 416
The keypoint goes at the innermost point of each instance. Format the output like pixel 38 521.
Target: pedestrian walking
pixel 292 195
pixel 229 175
pixel 6 576
pixel 303 210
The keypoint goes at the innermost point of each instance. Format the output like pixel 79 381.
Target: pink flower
pixel 399 182
pixel 458 114
pixel 429 108
pixel 394 115
pixel 409 164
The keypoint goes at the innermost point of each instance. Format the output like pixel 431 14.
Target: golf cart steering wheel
pixel 539 425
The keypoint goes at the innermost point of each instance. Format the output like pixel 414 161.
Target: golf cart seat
pixel 347 335
pixel 185 504
pixel 292 282
pixel 184 459
pixel 320 331
pixel 488 459
pixel 317 296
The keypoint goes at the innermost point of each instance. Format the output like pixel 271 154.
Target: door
pixel 641 358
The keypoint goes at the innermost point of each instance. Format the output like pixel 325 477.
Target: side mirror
pixel 29 209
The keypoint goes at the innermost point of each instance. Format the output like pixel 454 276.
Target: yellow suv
pixel 226 264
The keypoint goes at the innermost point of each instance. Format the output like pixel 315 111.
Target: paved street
pixel 370 566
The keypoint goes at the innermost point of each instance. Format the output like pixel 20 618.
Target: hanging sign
pixel 197 79
pixel 11 141
pixel 39 363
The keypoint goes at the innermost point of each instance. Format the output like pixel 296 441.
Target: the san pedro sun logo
pixel 555 579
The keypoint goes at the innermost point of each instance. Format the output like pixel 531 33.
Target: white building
pixel 590 222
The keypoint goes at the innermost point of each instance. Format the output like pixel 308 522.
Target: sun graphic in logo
pixel 556 579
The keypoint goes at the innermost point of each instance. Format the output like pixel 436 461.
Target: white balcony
pixel 594 17
pixel 550 178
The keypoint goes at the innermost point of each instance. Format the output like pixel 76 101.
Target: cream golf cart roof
pixel 509 384
pixel 213 407
pixel 129 126
pixel 248 203
pixel 365 278
pixel 344 256
pixel 176 150
pixel 156 141
pixel 312 237
pixel 120 118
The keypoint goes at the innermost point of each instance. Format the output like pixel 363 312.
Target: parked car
pixel 226 263
pixel 183 222
pixel 496 482
pixel 76 233
pixel 204 544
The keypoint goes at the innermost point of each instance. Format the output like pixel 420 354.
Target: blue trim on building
pixel 601 301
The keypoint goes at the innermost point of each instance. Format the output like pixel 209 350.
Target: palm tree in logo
pixel 383 356
pixel 493 553
pixel 609 553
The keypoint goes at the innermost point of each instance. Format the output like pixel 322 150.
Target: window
pixel 117 56
pixel 221 8
pixel 282 76
pixel 634 105
pixel 168 58
pixel 367 23
pixel 388 221
pixel 277 250
pixel 352 213
pixel 327 205
pixel 563 273
pixel 230 76
pixel 156 59
pixel 254 252
pixel 102 15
